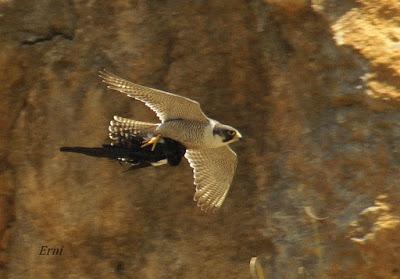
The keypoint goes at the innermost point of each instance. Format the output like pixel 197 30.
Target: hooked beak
pixel 238 136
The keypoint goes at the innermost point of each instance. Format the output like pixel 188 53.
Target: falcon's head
pixel 226 133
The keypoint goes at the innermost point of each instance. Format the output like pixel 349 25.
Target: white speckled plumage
pixel 206 140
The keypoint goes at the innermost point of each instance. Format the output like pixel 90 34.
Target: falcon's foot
pixel 153 141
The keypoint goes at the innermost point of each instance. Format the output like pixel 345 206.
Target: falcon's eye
pixel 231 133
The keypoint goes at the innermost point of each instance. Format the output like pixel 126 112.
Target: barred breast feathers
pixel 189 133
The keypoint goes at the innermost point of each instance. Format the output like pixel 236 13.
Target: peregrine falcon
pixel 182 120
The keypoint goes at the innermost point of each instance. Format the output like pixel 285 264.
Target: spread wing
pixel 165 105
pixel 213 170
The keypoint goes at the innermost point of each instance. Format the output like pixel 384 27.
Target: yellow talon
pixel 153 141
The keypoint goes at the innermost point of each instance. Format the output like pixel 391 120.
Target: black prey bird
pixel 129 149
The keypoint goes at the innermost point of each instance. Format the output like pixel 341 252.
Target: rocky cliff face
pixel 314 89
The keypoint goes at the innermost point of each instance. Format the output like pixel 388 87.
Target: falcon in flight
pixel 182 120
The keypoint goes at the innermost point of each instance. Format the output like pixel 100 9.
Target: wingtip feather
pixel 105 75
pixel 101 73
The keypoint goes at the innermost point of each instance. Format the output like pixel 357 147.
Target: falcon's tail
pixel 125 128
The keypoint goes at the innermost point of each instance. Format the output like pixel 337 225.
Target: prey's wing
pixel 166 105
pixel 213 170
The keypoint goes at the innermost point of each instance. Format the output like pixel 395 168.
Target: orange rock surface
pixel 313 86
